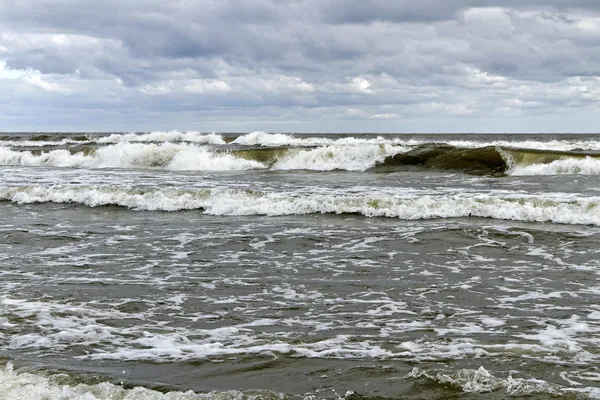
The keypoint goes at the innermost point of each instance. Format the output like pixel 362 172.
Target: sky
pixel 300 65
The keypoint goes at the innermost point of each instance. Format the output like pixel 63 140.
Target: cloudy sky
pixel 300 65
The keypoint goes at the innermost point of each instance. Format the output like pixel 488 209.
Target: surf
pixel 556 208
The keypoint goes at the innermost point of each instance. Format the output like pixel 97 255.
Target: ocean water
pixel 187 265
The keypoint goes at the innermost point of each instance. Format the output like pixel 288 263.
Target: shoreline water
pixel 328 279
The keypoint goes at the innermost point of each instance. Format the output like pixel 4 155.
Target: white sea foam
pixel 551 145
pixel 192 151
pixel 558 208
pixel 581 166
pixel 259 138
pixel 351 158
pixel 186 156
pixel 133 155
pixel 171 136
pixel 268 139
pixel 482 381
pixel 16 385
pixel 42 143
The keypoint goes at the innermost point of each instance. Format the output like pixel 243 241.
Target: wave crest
pixel 171 136
pixel 195 151
pixel 556 208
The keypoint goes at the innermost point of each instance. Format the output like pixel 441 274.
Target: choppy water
pixel 190 265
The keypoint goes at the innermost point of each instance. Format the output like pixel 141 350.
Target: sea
pixel 191 265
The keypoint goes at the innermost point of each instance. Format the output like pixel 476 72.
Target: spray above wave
pixel 558 208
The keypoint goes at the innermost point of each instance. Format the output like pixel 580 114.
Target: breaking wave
pixel 259 138
pixel 196 151
pixel 185 156
pixel 566 166
pixel 173 156
pixel 172 136
pixel 558 208
pixel 482 381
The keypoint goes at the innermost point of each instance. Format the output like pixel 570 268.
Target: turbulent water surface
pixel 186 265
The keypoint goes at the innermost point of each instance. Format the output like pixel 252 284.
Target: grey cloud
pixel 367 11
pixel 301 55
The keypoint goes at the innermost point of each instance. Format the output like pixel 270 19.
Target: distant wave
pixel 174 156
pixel 558 208
pixel 265 139
pixel 196 151
pixel 172 136
pixel 185 156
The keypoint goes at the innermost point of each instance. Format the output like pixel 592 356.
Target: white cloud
pixel 36 80
pixel 284 83
pixel 360 85
pixel 203 86
pixel 7 73
pixel 385 116
pixel 193 86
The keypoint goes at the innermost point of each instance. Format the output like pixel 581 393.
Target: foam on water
pixel 171 136
pixel 549 145
pixel 581 166
pixel 269 139
pixel 27 386
pixel 350 158
pixel 196 151
pixel 260 138
pixel 558 208
pixel 482 381
pixel 265 139
pixel 42 143
pixel 133 155
pixel 185 156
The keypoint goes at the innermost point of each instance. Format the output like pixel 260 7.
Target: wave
pixel 18 385
pixel 171 156
pixel 328 158
pixel 557 208
pixel 495 160
pixel 23 385
pixel 171 136
pixel 196 151
pixel 546 145
pixel 487 160
pixel 41 143
pixel 567 166
pixel 265 139
pixel 185 156
pixel 482 381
